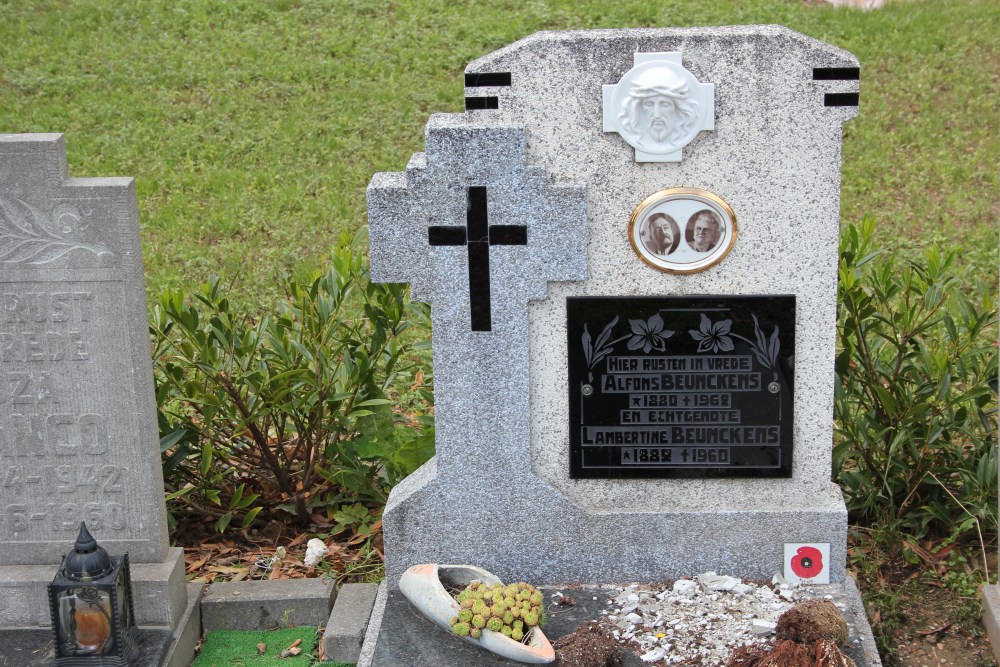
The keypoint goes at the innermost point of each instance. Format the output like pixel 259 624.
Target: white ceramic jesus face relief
pixel 658 107
pixel 659 115
pixel 658 111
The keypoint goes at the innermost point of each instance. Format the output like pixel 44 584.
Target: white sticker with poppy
pixel 807 563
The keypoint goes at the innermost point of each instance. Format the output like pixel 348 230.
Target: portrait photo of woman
pixel 703 230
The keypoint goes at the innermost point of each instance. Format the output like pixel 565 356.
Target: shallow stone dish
pixel 424 586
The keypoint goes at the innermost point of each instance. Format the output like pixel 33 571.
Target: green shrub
pixel 291 410
pixel 915 404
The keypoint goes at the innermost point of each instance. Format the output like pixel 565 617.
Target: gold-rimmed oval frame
pixel 688 214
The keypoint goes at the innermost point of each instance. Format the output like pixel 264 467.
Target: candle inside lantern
pixel 92 626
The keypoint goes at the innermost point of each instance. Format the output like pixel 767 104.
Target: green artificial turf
pixel 253 126
pixel 229 648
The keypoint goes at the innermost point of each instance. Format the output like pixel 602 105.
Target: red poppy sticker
pixel 806 563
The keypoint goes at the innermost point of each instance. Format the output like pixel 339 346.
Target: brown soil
pixel 783 653
pixel 588 646
pixel 937 630
pixel 812 620
pixel 786 653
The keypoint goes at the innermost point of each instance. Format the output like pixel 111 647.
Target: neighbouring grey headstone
pixel 524 201
pixel 78 432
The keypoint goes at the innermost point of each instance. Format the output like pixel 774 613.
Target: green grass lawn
pixel 228 648
pixel 253 126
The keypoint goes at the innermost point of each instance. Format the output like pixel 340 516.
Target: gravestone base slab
pixel 32 647
pixel 621 546
pixel 160 646
pixel 158 589
pixel 406 637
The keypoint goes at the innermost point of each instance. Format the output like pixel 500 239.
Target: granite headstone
pixel 562 227
pixel 78 433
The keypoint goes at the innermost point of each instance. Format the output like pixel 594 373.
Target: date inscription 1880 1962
pixel 681 386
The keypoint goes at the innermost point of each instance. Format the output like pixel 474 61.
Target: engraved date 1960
pixel 17 520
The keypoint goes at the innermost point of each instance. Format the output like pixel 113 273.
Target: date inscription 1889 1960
pixel 681 386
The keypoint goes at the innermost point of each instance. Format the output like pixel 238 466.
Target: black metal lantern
pixel 90 599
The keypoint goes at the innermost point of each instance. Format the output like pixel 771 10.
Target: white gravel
pixel 698 621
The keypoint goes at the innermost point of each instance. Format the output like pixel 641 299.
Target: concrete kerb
pixel 188 631
pixel 349 620
pixel 374 625
pixel 262 605
pixel 265 605
pixel 991 615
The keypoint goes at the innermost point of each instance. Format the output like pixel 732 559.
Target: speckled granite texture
pixel 498 493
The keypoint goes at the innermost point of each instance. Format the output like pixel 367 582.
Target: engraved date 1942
pixel 68 478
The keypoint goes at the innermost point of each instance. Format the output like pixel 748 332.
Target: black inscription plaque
pixel 669 387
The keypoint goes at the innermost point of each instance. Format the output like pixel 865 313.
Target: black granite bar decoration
pixel 508 235
pixel 477 103
pixel 841 100
pixel 478 79
pixel 480 302
pixel 441 235
pixel 835 74
pixel 476 216
pixel 671 387
pixel 477 222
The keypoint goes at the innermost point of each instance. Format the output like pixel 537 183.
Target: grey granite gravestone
pixel 548 163
pixel 78 433
pixel 536 205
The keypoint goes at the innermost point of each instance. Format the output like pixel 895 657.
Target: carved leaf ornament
pixel 28 237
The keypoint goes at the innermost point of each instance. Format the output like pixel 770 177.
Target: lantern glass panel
pixel 123 608
pixel 84 621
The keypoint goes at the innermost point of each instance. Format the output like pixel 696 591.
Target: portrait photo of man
pixel 660 234
pixel 703 230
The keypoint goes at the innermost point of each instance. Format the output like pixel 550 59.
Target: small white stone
pixel 762 628
pixel 315 550
pixel 715 582
pixel 685 587
pixel 634 619
pixel 655 655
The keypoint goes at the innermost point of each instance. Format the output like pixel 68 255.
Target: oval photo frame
pixel 682 230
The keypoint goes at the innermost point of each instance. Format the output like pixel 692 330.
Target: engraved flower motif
pixel 714 337
pixel 649 334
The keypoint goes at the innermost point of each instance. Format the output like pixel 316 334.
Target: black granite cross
pixel 479 235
